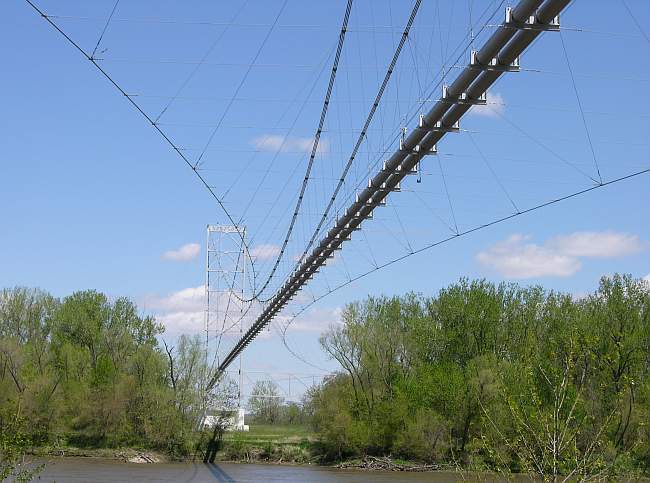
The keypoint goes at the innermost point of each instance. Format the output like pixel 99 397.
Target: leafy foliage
pixel 484 376
pixel 87 371
pixel 494 376
pixel 265 402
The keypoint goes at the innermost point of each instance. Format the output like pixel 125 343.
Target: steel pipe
pixel 505 45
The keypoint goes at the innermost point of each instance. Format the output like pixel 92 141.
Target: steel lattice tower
pixel 225 282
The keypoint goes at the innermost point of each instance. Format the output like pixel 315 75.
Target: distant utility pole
pixel 225 282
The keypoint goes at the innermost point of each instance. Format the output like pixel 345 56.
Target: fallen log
pixel 385 463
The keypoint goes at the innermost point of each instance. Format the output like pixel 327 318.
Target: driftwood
pixel 385 464
pixel 142 458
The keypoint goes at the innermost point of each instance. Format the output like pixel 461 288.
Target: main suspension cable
pixel 153 123
pixel 314 149
pixel 432 245
pixel 362 134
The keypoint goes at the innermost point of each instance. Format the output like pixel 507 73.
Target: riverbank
pixel 308 452
pixel 126 455
pixel 276 444
pixel 265 443
pixel 303 453
pixel 62 463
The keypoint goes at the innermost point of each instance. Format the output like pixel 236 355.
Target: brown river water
pixel 107 471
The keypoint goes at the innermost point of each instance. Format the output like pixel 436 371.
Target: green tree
pixel 494 376
pixel 265 402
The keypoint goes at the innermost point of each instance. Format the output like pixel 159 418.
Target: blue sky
pixel 93 198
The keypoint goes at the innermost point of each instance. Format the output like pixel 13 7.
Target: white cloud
pixel 287 144
pixel 186 300
pixel 183 312
pixel 515 259
pixel 183 254
pixel 315 320
pixel 597 244
pixel 265 252
pixel 495 106
pixel 559 256
pixel 182 323
pixel 647 278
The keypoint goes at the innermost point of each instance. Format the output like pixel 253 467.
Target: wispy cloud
pixel 288 144
pixel 265 252
pixel 560 256
pixel 494 108
pixel 189 299
pixel 605 244
pixel 514 258
pixel 183 312
pixel 182 323
pixel 316 320
pixel 183 254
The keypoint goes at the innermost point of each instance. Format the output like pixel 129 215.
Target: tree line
pixel 496 377
pixel 267 406
pixel 482 376
pixel 86 371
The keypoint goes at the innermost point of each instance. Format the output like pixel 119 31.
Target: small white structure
pixel 238 421
pixel 231 420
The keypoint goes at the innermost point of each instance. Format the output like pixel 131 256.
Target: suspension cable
pixel 153 123
pixel 362 134
pixel 314 149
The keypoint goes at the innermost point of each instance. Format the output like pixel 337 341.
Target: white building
pixel 231 420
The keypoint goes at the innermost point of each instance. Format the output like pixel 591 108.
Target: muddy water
pixel 106 471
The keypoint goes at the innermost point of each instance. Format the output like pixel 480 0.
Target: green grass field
pixel 276 433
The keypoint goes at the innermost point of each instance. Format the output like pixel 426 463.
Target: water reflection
pixel 219 473
pixel 77 470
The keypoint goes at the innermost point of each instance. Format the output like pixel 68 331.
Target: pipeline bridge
pixel 500 54
pixel 359 105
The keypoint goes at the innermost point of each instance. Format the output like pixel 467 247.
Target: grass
pixel 272 433
pixel 280 443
